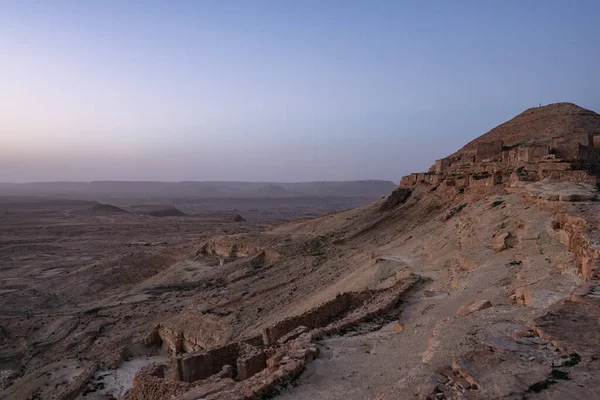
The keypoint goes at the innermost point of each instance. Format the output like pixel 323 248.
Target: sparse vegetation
pixel 558 374
pixel 542 385
pixel 316 246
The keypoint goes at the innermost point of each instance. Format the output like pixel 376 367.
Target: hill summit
pixel 565 121
pixel 558 141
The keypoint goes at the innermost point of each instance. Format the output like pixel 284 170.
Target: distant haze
pixel 276 90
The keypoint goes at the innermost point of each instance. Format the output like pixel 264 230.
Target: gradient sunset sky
pixel 276 90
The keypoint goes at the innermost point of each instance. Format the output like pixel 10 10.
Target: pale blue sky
pixel 276 90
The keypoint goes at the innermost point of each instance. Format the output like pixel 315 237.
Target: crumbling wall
pixel 150 383
pixel 575 238
pixel 568 149
pixel 260 370
pixel 189 332
pixel 251 361
pixel 317 317
pixel 201 365
pixel 571 176
pixel 442 165
pixel 478 181
pixel 420 177
pixel 589 155
pixel 488 151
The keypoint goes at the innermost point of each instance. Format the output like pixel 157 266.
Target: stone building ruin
pixel 493 163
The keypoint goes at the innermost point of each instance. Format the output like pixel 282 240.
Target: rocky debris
pixel 557 359
pixel 583 290
pixel 594 292
pixel 251 361
pixel 500 242
pixel 572 326
pixel 473 306
pixel 293 334
pixel 530 296
pixel 499 373
pixel 554 190
pixel 399 327
pixel 453 211
pixel 398 196
pixel 465 264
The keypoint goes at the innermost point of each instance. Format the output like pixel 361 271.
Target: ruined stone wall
pixel 201 365
pixel 574 236
pixel 231 246
pixel 571 176
pixel 420 177
pixel 442 165
pixel 488 151
pixel 261 370
pixel 251 361
pixel 589 155
pixel 317 317
pixel 150 383
pixel 536 153
pixel 190 332
pixel 568 150
pixel 477 182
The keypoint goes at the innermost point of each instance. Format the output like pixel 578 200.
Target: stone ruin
pixel 254 366
pixel 493 163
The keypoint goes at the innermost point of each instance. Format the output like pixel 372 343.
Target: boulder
pixel 473 306
pixel 500 242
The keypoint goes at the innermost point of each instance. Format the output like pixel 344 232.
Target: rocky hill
pixel 566 121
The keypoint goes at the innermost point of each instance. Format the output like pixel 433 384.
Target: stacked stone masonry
pixel 260 367
pixel 492 163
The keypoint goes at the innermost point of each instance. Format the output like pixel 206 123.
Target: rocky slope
pixel 439 291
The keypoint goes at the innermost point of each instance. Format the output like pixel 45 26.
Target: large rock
pixel 473 306
pixel 572 326
pixel 500 373
pixel 500 242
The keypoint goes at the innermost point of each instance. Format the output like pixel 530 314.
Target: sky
pixel 283 91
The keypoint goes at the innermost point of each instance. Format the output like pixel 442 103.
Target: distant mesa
pixel 106 209
pixel 158 210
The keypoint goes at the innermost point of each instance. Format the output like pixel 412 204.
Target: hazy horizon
pixel 197 181
pixel 270 91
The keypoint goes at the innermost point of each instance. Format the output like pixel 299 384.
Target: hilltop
pixel 566 121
